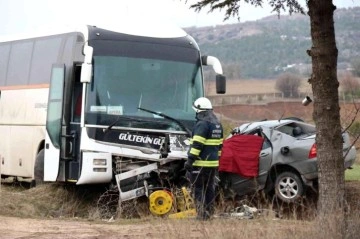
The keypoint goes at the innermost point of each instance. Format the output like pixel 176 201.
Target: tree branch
pixel 232 6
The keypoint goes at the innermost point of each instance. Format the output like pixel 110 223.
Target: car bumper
pixel 309 171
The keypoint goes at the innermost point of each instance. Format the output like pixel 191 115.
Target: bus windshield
pixel 161 80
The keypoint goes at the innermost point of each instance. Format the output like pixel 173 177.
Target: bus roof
pixel 144 28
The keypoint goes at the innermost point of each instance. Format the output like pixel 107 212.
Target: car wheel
pixel 39 168
pixel 289 187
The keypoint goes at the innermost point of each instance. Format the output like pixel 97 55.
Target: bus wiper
pixel 168 118
pixel 112 124
pixel 117 120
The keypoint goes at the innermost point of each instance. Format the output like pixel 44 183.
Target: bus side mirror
pixel 220 84
pixel 86 67
pixel 220 78
pixel 212 61
pixel 86 71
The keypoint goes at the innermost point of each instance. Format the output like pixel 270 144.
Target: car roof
pixel 269 124
pixel 265 123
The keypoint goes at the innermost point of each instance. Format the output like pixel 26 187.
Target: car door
pixel 265 157
pixel 251 156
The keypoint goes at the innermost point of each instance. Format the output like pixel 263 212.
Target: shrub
pixel 349 85
pixel 288 84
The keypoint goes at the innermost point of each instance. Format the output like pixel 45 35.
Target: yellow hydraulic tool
pixel 185 206
pixel 161 202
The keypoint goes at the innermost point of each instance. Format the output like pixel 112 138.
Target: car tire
pixel 289 187
pixel 39 168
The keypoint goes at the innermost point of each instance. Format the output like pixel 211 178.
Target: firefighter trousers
pixel 203 183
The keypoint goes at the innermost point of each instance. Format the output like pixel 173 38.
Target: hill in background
pixel 265 48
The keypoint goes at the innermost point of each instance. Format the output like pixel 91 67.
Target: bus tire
pixel 39 168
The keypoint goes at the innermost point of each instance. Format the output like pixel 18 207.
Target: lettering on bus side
pixel 140 140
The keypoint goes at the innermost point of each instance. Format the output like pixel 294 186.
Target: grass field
pixel 353 174
pixel 251 86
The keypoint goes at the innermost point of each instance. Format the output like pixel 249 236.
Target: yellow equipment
pixel 161 202
pixel 185 206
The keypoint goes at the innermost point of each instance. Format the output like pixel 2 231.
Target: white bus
pixel 100 105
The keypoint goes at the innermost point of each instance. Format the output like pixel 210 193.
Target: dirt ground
pixel 12 227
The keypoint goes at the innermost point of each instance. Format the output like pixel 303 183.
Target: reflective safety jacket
pixel 206 142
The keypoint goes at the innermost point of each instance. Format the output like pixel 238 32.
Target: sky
pixel 24 16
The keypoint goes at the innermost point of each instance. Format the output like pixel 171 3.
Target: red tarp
pixel 240 155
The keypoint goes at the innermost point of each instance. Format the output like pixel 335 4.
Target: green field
pixel 353 174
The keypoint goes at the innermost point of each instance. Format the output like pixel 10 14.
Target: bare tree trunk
pixel 331 215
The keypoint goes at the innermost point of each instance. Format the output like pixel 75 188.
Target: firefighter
pixel 203 157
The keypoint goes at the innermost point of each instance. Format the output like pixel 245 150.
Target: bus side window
pixel 77 95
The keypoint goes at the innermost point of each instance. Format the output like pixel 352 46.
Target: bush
pixel 289 85
pixel 349 85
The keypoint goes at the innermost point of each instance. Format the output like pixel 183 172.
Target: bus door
pixel 54 123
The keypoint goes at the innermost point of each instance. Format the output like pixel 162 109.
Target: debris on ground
pixel 241 212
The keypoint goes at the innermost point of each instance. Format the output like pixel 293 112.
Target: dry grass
pixel 235 228
pixel 273 221
pixel 48 200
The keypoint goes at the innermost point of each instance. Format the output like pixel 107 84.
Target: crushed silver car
pixel 277 156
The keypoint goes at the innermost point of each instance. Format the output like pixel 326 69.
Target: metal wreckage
pixel 163 181
pixel 275 156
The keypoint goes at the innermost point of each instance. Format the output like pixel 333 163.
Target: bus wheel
pixel 39 168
